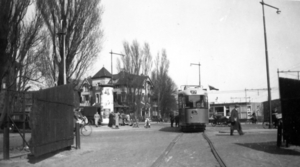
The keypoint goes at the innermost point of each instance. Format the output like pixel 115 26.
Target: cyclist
pixel 274 119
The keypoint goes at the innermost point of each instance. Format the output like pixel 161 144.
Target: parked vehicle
pixel 220 120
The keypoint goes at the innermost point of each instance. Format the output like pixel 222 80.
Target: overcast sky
pixel 226 37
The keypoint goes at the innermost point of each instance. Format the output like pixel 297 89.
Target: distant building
pixel 126 93
pixel 245 109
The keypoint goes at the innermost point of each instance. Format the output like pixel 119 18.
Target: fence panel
pixel 51 119
pixel 290 105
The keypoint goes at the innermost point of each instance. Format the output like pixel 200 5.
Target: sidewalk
pixel 17 151
pixel 257 147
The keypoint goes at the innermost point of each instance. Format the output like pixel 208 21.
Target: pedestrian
pixel 128 119
pixel 235 122
pixel 253 118
pixel 147 121
pixel 177 120
pixel 172 119
pixel 96 117
pixel 111 119
pixel 117 120
pixel 158 119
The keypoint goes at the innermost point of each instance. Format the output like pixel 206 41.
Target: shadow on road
pixel 170 129
pixel 270 147
pixel 178 130
pixel 33 160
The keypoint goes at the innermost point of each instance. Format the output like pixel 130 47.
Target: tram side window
pixel 181 102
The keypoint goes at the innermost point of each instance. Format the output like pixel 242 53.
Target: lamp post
pixel 267 60
pixel 199 72
pixel 112 53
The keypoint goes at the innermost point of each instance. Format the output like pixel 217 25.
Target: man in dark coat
pixel 235 122
pixel 172 119
pixel 177 120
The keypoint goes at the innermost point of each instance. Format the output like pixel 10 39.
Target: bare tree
pixel 81 19
pixel 137 61
pixel 19 46
pixel 164 87
pixel 30 48
pixel 12 13
pixel 147 60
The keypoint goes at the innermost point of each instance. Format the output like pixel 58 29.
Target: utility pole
pixel 6 121
pixel 266 53
pixel 111 56
pixel 199 72
pixel 62 34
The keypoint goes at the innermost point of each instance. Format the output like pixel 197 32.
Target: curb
pixel 254 131
pixel 14 156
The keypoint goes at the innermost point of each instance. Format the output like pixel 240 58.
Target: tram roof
pixel 193 91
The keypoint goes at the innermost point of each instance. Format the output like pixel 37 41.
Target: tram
pixel 193 108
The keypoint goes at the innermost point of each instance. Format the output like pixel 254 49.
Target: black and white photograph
pixel 150 83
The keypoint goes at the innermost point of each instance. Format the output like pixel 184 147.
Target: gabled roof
pixel 124 78
pixel 103 73
pixel 87 81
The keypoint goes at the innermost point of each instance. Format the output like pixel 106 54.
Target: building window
pixel 123 97
pixel 86 98
pixel 115 96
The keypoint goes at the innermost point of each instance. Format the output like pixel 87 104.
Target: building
pixel 245 109
pixel 127 93
pixel 134 91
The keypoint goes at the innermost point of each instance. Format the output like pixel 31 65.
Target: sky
pixel 225 37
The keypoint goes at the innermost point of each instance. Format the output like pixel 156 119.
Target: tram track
pixel 214 151
pixel 161 158
pixel 159 161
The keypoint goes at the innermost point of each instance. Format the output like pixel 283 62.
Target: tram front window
pixel 196 101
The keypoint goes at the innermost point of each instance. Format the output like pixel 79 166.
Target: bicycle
pixel 277 118
pixel 85 128
pixel 266 124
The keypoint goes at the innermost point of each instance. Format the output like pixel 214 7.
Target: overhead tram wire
pixel 238 91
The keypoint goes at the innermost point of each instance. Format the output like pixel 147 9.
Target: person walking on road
pixel 172 119
pixel 253 118
pixel 111 120
pixel 235 122
pixel 177 120
pixel 147 121
pixel 117 120
pixel 96 117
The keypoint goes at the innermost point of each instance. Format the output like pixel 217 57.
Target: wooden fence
pixel 290 105
pixel 52 119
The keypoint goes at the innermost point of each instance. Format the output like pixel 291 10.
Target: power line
pixel 241 98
